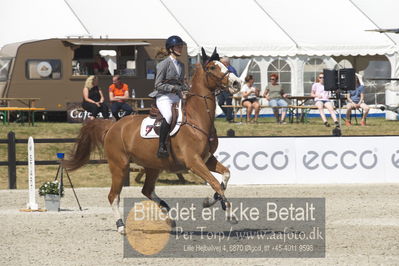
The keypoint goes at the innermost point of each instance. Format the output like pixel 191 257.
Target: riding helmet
pixel 173 41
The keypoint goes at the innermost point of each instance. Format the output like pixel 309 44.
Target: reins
pixel 208 110
pixel 210 96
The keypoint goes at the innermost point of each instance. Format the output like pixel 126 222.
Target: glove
pixel 178 88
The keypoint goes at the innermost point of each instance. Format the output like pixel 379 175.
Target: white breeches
pixel 164 104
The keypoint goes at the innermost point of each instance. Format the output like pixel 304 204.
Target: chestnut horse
pixel 191 148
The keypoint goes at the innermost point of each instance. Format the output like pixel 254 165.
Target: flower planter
pixel 52 202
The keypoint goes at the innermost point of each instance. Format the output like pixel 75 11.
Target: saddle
pixel 156 114
pixel 150 127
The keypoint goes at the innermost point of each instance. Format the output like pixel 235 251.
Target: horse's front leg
pixel 198 167
pixel 215 166
pixel 151 176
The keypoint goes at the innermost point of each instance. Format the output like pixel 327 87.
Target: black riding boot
pixel 163 135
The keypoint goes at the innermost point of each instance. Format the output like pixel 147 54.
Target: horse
pixel 122 143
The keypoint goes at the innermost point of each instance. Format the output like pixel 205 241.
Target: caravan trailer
pixel 55 70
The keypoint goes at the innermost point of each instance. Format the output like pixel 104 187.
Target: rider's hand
pixel 178 88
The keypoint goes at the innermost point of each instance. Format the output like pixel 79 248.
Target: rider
pixel 169 82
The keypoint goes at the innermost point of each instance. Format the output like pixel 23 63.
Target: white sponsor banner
pixel 391 163
pixel 310 160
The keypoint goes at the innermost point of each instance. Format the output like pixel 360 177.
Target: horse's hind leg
pixel 151 176
pixel 119 171
pixel 215 166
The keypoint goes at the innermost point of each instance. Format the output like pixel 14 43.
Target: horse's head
pixel 217 74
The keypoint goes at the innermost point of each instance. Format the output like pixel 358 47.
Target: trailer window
pixel 43 69
pixel 119 60
pixel 110 58
pixel 126 61
pixel 5 64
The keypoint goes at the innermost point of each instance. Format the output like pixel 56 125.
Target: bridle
pixel 211 96
pixel 219 85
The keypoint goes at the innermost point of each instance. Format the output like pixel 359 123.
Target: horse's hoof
pixel 172 223
pixel 217 196
pixel 208 202
pixel 120 227
pixel 223 203
pixel 164 205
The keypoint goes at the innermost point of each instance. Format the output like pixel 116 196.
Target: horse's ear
pixel 214 56
pixel 204 57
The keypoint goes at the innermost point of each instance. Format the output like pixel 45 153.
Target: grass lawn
pixel 99 176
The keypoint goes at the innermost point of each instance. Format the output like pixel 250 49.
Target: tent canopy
pixel 23 20
pixel 237 27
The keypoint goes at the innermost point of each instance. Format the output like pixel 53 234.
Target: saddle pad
pixel 147 126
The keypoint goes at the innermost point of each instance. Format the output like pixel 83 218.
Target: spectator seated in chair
pixel 275 94
pixel 250 96
pixel 356 101
pixel 322 100
pixel 93 99
pixel 118 93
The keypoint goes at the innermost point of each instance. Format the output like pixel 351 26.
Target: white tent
pixel 236 27
pixel 129 19
pixel 261 29
pixel 284 27
pixel 23 20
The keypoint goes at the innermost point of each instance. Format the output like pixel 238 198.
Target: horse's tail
pixel 91 136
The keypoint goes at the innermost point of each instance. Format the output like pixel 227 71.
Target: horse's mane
pixel 199 71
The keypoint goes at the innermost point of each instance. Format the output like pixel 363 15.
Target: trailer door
pixel 5 66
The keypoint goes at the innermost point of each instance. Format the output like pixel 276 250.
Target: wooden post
pixel 181 178
pixel 12 161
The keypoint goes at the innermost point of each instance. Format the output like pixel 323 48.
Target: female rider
pixel 169 82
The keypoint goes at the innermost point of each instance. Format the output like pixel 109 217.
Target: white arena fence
pixel 310 160
pixel 281 160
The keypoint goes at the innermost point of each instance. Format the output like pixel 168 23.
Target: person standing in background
pixel 100 66
pixel 225 97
